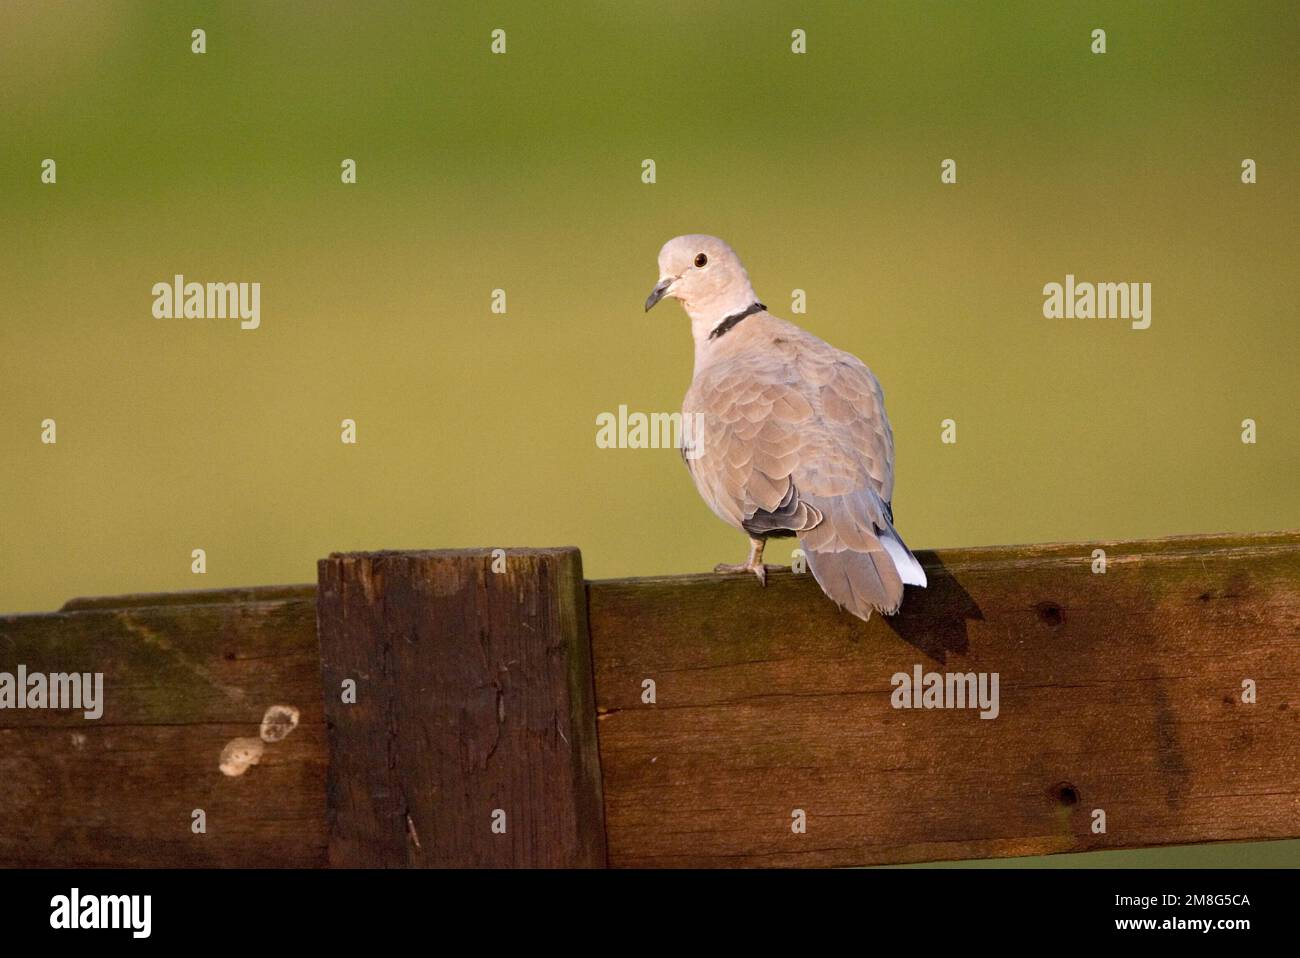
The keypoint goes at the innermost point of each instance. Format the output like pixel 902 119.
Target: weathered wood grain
pixel 1120 691
pixel 473 700
pixel 256 593
pixel 180 681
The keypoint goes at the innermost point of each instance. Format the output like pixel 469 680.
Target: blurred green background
pixel 522 171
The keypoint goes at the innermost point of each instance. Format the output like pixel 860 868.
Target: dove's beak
pixel 658 292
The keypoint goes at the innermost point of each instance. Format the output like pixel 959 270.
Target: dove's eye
pixel 701 260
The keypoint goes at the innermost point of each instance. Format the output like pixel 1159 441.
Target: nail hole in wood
pixel 1066 794
pixel 1051 613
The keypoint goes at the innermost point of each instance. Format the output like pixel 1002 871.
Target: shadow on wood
pixel 934 620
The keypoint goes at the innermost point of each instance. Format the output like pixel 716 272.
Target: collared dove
pixel 794 438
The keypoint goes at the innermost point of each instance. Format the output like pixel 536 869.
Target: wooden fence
pixel 456 715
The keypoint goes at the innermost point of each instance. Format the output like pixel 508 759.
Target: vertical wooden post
pixel 472 738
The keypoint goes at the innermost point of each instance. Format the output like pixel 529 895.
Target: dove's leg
pixel 754 564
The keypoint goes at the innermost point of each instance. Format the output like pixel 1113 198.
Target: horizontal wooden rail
pixel 1153 703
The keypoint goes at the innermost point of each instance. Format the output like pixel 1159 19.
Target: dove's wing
pixel 795 442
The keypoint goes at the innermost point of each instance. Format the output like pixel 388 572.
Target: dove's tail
pixel 908 568
pixel 865 581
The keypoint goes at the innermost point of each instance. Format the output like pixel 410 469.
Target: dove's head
pixel 706 275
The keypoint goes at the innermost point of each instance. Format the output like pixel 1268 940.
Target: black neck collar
pixel 734 318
